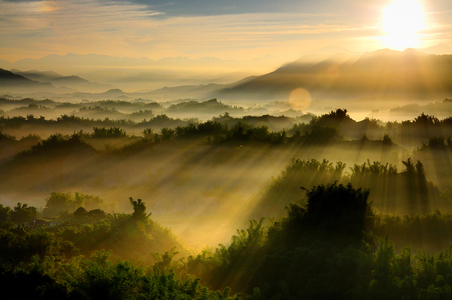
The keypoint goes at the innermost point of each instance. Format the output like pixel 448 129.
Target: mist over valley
pixel 247 150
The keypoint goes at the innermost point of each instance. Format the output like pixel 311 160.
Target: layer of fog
pixel 191 185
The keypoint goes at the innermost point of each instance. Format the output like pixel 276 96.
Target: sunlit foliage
pixel 57 203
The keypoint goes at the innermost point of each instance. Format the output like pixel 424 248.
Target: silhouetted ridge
pixel 9 80
pixel 384 72
pixel 12 78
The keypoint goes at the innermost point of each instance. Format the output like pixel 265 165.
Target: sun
pixel 402 21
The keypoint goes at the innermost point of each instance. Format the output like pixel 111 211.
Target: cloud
pixel 123 27
pixel 225 7
pixel 15 1
pixel 71 24
pixel 158 28
pixel 221 7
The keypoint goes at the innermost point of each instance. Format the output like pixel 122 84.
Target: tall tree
pixel 139 209
pixel 23 213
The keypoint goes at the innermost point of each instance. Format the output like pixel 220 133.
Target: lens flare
pixel 299 99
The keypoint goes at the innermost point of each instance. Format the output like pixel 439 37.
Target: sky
pixel 226 29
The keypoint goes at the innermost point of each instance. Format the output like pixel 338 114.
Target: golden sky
pixel 231 29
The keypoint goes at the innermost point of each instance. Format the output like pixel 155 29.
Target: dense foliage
pixel 58 203
pixel 329 238
pixel 325 249
pixel 393 191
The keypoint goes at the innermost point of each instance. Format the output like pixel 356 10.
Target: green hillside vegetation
pixel 221 143
pixel 58 203
pixel 336 125
pixel 337 208
pixel 407 191
pixel 83 232
pixel 329 248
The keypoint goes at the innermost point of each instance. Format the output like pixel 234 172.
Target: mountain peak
pixel 439 49
pixel 113 92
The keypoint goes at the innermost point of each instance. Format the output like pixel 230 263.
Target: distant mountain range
pixel 76 63
pixel 383 74
pixel 72 82
pixel 11 82
pixel 134 74
pixel 439 49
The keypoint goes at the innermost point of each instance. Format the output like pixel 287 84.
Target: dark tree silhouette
pixel 139 209
pixel 23 213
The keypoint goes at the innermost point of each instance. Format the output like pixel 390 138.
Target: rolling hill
pixel 72 81
pixel 13 83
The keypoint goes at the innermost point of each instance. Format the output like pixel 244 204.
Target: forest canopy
pixel 327 207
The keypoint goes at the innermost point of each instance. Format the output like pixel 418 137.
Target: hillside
pixel 10 82
pixel 383 73
pixel 71 81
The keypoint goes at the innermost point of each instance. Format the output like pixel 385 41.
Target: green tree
pixel 80 213
pixel 139 209
pixel 148 133
pixel 167 133
pixel 4 212
pixel 23 213
pixel 57 203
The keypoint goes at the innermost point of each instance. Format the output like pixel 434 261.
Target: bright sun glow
pixel 402 20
